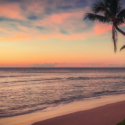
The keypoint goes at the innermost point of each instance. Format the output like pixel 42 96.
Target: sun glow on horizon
pixel 54 36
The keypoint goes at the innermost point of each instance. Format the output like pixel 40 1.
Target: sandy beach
pixel 107 110
pixel 109 114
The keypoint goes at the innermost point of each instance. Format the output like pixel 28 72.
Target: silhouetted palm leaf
pixel 121 14
pixel 95 17
pixel 99 6
pixel 122 48
pixel 121 17
pixel 116 6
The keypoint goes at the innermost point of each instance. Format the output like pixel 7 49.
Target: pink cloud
pixel 63 19
pixel 11 11
pixel 59 18
pixel 53 20
pixel 36 7
pixel 62 36
pixel 102 28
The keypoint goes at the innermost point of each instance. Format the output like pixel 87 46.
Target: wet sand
pixel 106 110
pixel 110 114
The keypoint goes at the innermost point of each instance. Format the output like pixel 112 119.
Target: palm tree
pixel 111 12
pixel 122 48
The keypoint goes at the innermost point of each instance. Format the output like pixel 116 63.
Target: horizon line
pixel 62 67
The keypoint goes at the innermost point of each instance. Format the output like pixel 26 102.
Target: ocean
pixel 27 90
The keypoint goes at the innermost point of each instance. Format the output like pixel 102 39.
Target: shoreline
pixel 70 110
pixel 110 114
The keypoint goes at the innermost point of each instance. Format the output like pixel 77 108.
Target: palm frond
pixel 95 17
pixel 121 14
pixel 121 17
pixel 120 21
pixel 114 38
pixel 118 29
pixel 122 48
pixel 99 6
pixel 115 6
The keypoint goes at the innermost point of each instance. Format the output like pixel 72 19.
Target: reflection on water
pixel 24 90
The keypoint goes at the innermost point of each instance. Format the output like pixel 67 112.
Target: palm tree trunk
pixel 114 37
pixel 119 30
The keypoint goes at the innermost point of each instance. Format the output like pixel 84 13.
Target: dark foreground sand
pixel 109 114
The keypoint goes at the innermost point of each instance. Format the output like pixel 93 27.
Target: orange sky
pixel 55 36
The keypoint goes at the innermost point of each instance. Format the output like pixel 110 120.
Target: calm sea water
pixel 25 90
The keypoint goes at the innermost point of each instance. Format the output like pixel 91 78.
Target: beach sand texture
pixel 109 114
pixel 107 110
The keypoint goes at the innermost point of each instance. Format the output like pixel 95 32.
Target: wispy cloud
pixel 46 19
pixel 15 37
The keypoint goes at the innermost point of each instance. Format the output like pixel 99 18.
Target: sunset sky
pixel 52 33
